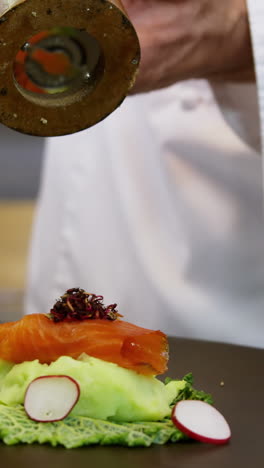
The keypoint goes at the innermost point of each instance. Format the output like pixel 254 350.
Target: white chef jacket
pixel 159 208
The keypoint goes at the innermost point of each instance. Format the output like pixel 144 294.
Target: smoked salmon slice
pixel 37 337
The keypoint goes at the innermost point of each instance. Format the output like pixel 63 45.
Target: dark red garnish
pixel 77 304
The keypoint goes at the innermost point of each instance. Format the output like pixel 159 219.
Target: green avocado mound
pixel 108 391
pixel 116 407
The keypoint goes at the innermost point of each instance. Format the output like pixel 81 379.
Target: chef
pixel 159 207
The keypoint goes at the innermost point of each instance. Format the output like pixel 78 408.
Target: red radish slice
pixel 201 421
pixel 51 398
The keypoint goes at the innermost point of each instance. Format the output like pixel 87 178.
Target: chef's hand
pixel 184 39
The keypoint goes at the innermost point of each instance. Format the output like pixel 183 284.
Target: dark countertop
pixel 240 399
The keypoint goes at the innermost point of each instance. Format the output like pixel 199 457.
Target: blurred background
pixel 19 182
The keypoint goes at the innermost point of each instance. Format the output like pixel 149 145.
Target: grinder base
pixel 103 80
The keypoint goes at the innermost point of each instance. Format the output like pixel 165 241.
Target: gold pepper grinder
pixel 64 64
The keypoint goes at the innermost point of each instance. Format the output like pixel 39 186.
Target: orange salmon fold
pixel 37 337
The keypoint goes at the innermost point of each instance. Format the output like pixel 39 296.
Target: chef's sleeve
pixel 243 104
